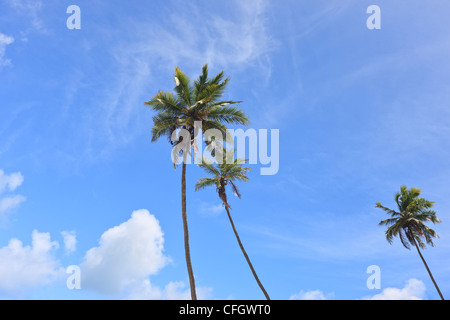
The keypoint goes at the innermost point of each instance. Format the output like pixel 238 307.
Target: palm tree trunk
pixel 186 231
pixel 428 269
pixel 245 255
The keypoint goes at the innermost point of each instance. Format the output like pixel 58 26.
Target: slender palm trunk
pixel 245 255
pixel 428 269
pixel 186 231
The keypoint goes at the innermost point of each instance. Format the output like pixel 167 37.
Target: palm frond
pixel 217 79
pixel 182 87
pixel 209 167
pixel 393 213
pixel 388 222
pixel 204 183
pixel 228 114
pixel 201 83
pixel 235 190
pixel 404 239
pixel 165 101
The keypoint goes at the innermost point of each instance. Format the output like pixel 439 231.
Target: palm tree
pixel 409 222
pixel 222 175
pixel 197 101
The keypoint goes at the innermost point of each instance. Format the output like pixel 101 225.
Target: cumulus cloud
pixel 310 295
pixel 10 181
pixel 126 257
pixel 127 254
pixel 413 290
pixel 120 266
pixel 70 241
pixel 27 267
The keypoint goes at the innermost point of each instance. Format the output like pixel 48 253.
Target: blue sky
pixel 360 113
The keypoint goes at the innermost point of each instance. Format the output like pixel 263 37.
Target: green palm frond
pixel 201 83
pixel 210 168
pixel 388 222
pixel 228 114
pixel 393 213
pixel 204 183
pixel 217 79
pixel 165 101
pixel 182 86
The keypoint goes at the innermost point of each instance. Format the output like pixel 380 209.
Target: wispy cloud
pixel 211 210
pixel 30 9
pixel 237 40
pixel 4 42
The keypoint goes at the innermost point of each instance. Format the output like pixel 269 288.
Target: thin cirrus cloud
pixel 30 9
pixel 224 41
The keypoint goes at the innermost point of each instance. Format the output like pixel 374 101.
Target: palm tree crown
pixel 197 101
pixel 223 174
pixel 408 223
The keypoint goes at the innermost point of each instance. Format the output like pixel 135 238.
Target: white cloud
pixel 10 182
pixel 127 255
pixel 211 209
pixel 9 203
pixel 70 241
pixel 310 295
pixel 4 42
pixel 413 290
pixel 174 290
pixel 120 266
pixel 26 267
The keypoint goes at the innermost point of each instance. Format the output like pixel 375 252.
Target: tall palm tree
pixel 197 101
pixel 222 175
pixel 409 222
